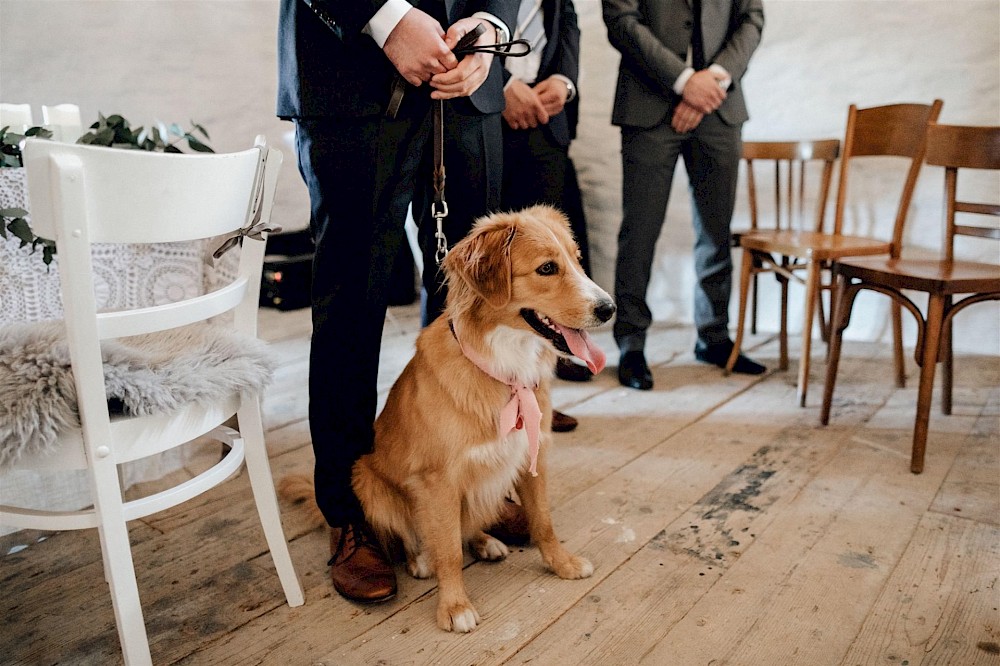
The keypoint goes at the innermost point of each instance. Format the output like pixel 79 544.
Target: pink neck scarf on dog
pixel 521 411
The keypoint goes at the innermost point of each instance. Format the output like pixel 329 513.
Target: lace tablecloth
pixel 128 276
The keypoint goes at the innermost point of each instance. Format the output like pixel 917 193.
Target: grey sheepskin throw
pixel 146 374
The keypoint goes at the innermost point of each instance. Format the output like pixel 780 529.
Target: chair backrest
pixel 790 161
pixel 898 130
pixel 64 121
pixel 80 195
pixel 957 147
pixel 16 116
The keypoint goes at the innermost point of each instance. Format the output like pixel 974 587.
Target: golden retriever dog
pixel 469 418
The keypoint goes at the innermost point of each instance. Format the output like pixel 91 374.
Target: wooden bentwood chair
pixel 82 195
pixel 894 130
pixel 791 162
pixel 952 147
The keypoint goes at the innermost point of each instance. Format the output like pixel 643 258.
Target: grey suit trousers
pixel 711 155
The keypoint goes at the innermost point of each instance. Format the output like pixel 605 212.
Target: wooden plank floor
pixel 725 526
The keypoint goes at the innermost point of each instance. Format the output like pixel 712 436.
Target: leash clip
pixel 442 241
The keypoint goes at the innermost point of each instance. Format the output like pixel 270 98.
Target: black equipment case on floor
pixel 287 270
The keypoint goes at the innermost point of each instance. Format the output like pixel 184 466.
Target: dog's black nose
pixel 605 310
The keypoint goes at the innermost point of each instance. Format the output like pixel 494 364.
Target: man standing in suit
pixel 679 94
pixel 337 62
pixel 539 123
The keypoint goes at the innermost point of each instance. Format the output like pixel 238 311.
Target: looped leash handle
pixel 504 49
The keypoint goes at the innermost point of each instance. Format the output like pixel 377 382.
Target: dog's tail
pixel 300 490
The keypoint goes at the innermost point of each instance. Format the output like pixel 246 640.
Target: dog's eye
pixel 548 268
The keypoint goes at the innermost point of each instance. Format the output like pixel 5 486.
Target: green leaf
pixel 171 149
pixel 39 132
pixel 12 138
pixel 13 212
pixel 197 145
pixel 201 129
pixel 19 227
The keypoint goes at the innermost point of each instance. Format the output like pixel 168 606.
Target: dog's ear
pixel 482 262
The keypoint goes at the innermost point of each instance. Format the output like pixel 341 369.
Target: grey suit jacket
pixel 653 37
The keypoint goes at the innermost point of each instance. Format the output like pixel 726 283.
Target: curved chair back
pixel 790 161
pixel 898 130
pixel 957 147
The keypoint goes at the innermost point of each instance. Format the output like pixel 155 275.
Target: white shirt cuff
pixel 385 20
pixel 726 80
pixel 500 25
pixel 682 80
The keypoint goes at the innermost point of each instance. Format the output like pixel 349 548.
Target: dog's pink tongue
pixel 584 348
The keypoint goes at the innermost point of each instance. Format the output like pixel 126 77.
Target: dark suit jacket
pixel 326 70
pixel 653 38
pixel 561 55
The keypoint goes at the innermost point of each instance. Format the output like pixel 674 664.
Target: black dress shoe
pixel 633 371
pixel 718 354
pixel 563 422
pixel 572 372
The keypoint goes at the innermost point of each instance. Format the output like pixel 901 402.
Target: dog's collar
pixel 521 411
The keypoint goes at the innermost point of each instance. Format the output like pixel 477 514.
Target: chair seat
pixel 812 245
pixel 138 436
pixel 932 275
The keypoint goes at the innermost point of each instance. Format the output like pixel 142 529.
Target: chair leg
pixel 824 323
pixel 783 330
pixel 119 570
pixel 948 359
pixel 897 344
pixel 262 483
pixel 753 306
pixel 746 268
pixel 840 315
pixel 812 281
pixel 929 357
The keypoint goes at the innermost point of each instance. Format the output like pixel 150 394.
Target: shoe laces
pixel 353 537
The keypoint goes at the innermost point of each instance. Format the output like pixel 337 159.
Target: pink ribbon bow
pixel 521 411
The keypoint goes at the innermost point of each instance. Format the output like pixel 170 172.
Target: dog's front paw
pixel 460 617
pixel 488 548
pixel 572 566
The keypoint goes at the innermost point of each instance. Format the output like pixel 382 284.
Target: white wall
pixel 214 61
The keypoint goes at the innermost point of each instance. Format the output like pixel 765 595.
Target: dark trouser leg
pixel 534 169
pixel 573 205
pixel 712 159
pixel 359 176
pixel 473 162
pixel 648 161
pixel 538 170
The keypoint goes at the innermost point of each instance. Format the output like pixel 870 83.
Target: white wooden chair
pixel 64 121
pixel 80 195
pixel 16 116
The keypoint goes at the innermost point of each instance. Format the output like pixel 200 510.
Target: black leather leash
pixel 465 46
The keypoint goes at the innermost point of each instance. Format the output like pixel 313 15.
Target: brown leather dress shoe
pixel 359 567
pixel 512 528
pixel 563 422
